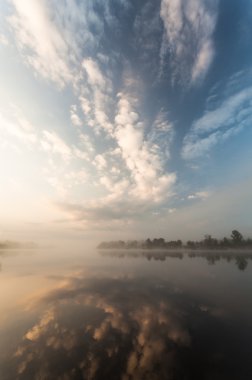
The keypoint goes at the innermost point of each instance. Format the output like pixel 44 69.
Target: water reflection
pixel 103 329
pixel 240 258
pixel 122 328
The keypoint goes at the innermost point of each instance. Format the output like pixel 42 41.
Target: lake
pixel 85 314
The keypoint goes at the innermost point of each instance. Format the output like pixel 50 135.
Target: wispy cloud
pixel 217 125
pixel 62 165
pixel 96 100
pixel 53 143
pixel 199 195
pixel 16 129
pixel 75 118
pixel 44 47
pixel 3 40
pixel 189 27
pixel 162 133
pixel 53 37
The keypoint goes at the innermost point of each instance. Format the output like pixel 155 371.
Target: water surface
pixel 125 315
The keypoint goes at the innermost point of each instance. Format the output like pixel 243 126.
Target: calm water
pixel 125 315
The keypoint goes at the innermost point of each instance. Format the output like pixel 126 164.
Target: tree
pixel 225 242
pixel 190 244
pixel 179 243
pixel 237 237
pixel 148 243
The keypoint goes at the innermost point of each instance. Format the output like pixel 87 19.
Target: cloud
pixel 45 48
pixel 75 119
pixel 44 156
pixel 85 105
pixel 142 158
pixel 203 61
pixel 96 100
pixel 3 40
pixel 133 175
pixel 219 124
pixel 62 42
pixel 162 133
pixel 53 143
pixel 189 27
pixel 17 129
pixel 86 143
pixel 95 77
pixel 100 162
pixel 131 169
pixel 229 112
pixel 199 195
pixel 53 36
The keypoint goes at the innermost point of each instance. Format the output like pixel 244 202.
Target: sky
pixel 125 119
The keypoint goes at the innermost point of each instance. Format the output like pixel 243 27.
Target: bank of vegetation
pixel 236 240
pixel 7 244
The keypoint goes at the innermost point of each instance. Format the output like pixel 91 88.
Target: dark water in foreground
pixel 86 315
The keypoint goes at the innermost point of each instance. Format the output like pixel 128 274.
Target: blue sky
pixel 125 118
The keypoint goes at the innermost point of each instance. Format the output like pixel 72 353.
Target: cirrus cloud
pixel 189 27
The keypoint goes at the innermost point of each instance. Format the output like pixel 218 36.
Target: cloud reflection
pixel 107 328
pixel 101 325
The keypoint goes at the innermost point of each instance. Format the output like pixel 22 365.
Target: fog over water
pixel 125 315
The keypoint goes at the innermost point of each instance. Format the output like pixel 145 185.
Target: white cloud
pixel 132 161
pixel 162 133
pixel 17 129
pixel 53 143
pixel 189 27
pixel 100 162
pixel 3 40
pixel 199 195
pixel 95 77
pixel 203 61
pixel 132 174
pixel 64 181
pixel 217 125
pixel 142 160
pixel 39 158
pixel 85 105
pixel 75 119
pixel 54 36
pixel 45 48
pixel 194 147
pixel 98 105
pixel 86 143
pixel 226 114
pixel 172 210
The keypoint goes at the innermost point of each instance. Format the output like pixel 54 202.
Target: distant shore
pixel 236 241
pixel 17 245
pixel 180 250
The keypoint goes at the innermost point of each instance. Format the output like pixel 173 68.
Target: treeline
pixel 236 240
pixel 16 245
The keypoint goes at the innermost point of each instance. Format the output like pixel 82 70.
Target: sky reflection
pixel 122 322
